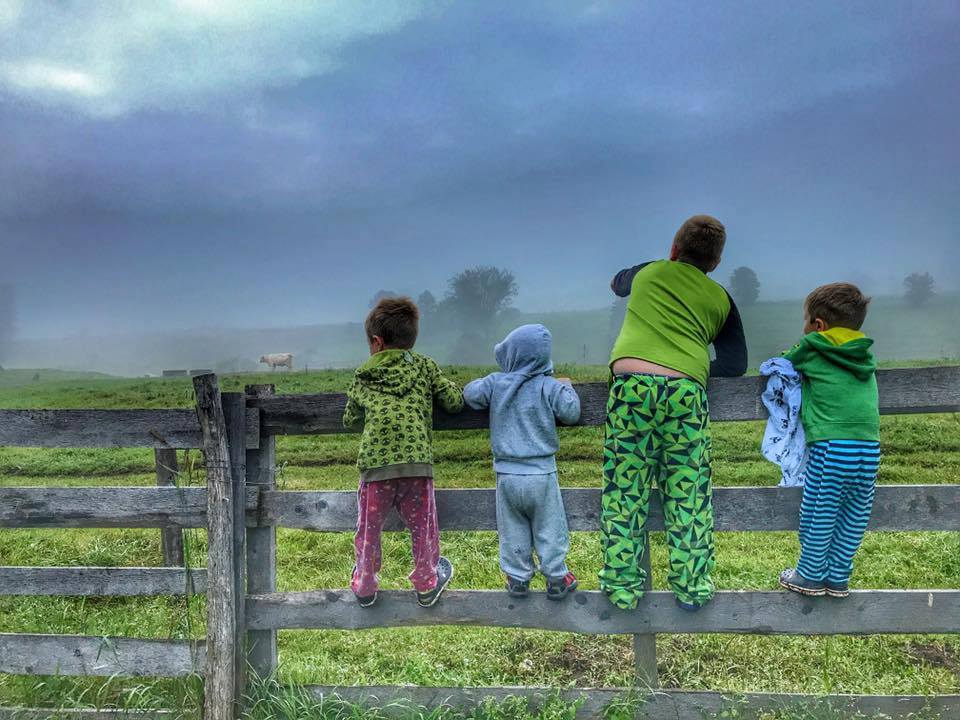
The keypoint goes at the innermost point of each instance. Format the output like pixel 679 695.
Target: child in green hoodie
pixel 391 400
pixel 841 420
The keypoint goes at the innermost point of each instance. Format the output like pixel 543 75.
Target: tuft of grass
pixel 60 695
pixel 271 700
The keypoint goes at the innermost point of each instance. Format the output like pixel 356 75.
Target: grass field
pixel 917 449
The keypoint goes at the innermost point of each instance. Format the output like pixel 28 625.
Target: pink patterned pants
pixel 414 500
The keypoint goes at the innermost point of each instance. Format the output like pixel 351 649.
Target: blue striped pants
pixel 837 499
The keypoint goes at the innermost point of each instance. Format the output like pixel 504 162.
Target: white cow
pixel 275 360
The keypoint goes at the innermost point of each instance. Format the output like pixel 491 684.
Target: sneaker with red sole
pixel 559 589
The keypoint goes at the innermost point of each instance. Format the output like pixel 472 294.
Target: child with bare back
pixel 658 422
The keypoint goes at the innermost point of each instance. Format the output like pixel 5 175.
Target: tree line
pixel 744 287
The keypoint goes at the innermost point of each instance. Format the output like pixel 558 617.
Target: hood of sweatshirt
pixel 526 351
pixel 522 355
pixel 391 371
pixel 854 355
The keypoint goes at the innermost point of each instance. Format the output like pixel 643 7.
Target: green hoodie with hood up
pixel 391 400
pixel 839 387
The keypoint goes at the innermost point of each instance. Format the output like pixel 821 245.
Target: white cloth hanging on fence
pixel 784 441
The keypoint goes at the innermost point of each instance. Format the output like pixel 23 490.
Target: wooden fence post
pixel 235 417
pixel 645 646
pixel 171 538
pixel 220 686
pixel 262 544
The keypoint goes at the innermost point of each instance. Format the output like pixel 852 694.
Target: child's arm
pixel 730 346
pixel 446 391
pixel 477 392
pixel 353 413
pixel 623 280
pixel 564 401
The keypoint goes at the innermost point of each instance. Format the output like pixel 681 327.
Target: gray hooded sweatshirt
pixel 525 402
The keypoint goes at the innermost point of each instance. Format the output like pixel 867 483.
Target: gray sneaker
pixel 795 582
pixel 444 573
pixel 366 601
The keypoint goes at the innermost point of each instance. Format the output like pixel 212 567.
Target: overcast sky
pixel 206 162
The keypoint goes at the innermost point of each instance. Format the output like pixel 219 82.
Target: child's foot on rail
pixel 444 573
pixel 366 601
pixel 836 589
pixel 795 582
pixel 560 588
pixel 688 606
pixel 517 588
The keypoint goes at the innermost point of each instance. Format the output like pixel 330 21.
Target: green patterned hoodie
pixel 391 401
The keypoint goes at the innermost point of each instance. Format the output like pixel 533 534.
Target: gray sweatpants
pixel 530 516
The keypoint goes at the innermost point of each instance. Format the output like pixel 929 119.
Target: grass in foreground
pixel 272 700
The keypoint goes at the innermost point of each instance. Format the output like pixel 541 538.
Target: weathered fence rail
pixel 171 538
pixel 767 509
pixel 98 656
pixel 176 429
pixel 241 510
pixel 922 390
pixel 868 612
pixel 101 581
pixel 108 507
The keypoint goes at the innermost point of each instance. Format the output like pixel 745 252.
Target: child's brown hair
pixel 840 304
pixel 396 321
pixel 700 241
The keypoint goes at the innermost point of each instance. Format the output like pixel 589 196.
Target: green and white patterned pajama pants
pixel 657 437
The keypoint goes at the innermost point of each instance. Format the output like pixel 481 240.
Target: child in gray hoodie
pixel 525 402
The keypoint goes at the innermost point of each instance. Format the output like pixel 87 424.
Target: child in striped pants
pixel 841 419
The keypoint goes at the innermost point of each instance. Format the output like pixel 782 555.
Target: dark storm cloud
pixel 397 151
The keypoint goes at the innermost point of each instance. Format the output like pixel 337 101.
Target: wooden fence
pixel 241 509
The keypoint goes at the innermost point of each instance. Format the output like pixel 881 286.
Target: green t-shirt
pixel 675 311
pixel 839 388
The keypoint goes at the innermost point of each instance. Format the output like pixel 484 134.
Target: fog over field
pixel 193 185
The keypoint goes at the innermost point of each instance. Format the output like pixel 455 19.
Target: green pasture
pixel 917 449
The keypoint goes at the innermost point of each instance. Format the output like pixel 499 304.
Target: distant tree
pixel 919 288
pixel 744 286
pixel 6 320
pixel 381 294
pixel 427 303
pixel 479 294
pixel 475 299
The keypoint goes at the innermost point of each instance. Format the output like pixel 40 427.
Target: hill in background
pixel 901 333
